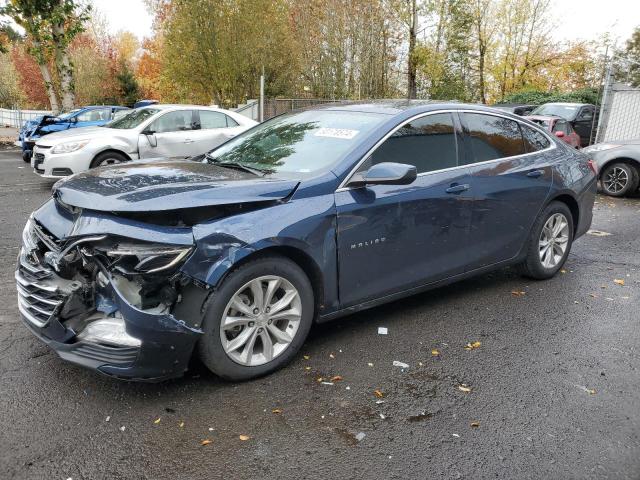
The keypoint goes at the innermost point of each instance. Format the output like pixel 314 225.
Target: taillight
pixel 592 166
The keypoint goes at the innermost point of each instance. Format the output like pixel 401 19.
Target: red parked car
pixel 558 126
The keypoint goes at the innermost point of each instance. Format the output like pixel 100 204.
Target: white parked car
pixel 157 131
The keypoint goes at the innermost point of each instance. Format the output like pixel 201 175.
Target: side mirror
pixel 560 134
pixel 151 137
pixel 387 173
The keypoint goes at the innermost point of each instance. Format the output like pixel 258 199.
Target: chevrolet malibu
pixel 132 269
pixel 153 132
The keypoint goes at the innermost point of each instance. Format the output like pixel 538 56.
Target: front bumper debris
pixel 65 313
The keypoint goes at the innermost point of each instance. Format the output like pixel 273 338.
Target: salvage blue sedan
pixel 310 216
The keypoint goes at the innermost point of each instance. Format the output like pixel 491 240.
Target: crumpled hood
pixel 167 185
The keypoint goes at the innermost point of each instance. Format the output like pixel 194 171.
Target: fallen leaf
pixel 319 379
pixel 336 378
pixel 370 364
pixel 475 424
pixel 206 442
pixel 563 271
pixel 464 388
pixel 157 420
pixel 518 293
pixel 331 355
pixel 181 424
pixel 277 411
pixel 472 345
pixel 435 352
pixel 618 281
pixel 307 368
pixel 593 295
pixel 244 438
pixel 592 391
pixel 306 357
pixel 378 393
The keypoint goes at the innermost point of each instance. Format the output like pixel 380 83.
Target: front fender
pixel 306 225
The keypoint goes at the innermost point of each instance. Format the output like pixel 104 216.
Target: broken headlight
pixel 149 258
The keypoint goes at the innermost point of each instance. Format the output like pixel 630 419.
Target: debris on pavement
pixel 378 393
pixel 475 424
pixel 396 363
pixel 181 424
pixel 618 281
pixel 244 438
pixel 107 419
pixel 383 331
pixel 435 352
pixel 336 378
pixel 464 388
pixel 370 364
pixel 122 428
pixel 518 293
pixel 598 233
pixel 472 345
pixel 360 436
pixel 206 442
pixel 157 421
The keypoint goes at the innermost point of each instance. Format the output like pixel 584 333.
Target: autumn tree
pixel 51 26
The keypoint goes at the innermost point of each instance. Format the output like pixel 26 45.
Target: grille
pixel 38 297
pixel 121 356
pixel 38 158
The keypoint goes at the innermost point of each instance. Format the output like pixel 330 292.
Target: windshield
pixel 65 116
pixel 565 111
pixel 132 119
pixel 305 142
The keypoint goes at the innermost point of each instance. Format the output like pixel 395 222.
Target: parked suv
pixel 82 117
pixel 149 132
pixel 307 217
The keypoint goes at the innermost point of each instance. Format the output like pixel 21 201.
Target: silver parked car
pixel 618 165
pixel 157 131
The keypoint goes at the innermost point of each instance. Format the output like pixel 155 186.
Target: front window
pixel 556 110
pixel 305 142
pixel 133 119
pixel 95 115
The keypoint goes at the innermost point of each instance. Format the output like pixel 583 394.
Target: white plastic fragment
pixel 383 330
pixel 382 416
pixel 360 436
pixel 455 435
pixel 396 363
pixel 107 419
pixel 122 428
pixel 327 383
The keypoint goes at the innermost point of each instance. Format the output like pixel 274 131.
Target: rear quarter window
pixel 533 139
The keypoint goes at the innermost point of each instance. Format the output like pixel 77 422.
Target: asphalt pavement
pixel 551 392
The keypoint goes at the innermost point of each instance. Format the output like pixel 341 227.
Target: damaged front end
pixel 110 302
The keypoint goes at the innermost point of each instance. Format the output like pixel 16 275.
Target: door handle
pixel 535 173
pixel 457 188
pixel 188 140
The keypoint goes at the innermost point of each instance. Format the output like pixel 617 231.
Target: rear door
pixel 174 136
pixel 583 123
pixel 395 237
pixel 92 118
pixel 511 177
pixel 212 129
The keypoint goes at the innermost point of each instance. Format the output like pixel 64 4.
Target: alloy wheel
pixel 260 320
pixel 615 180
pixel 554 239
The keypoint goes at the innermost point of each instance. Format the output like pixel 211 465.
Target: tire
pixel 533 265
pixel 238 365
pixel 26 156
pixel 619 179
pixel 108 158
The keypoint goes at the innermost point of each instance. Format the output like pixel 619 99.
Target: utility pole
pixel 413 32
pixel 262 96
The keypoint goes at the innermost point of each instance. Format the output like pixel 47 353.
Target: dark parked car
pixel 618 165
pixel 580 115
pixel 516 108
pixel 307 217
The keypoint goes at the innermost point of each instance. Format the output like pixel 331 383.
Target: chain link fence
pixel 15 118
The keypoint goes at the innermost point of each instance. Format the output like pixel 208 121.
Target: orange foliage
pixel 30 77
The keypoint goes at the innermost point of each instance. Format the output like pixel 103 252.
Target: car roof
pixel 567 104
pixel 544 117
pixel 394 107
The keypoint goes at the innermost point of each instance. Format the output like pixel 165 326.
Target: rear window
pixel 492 137
pixel 533 139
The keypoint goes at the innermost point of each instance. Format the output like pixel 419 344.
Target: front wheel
pixel 26 156
pixel 619 179
pixel 549 243
pixel 257 320
pixel 108 158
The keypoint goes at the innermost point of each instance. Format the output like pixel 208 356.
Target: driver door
pixel 172 134
pixel 395 237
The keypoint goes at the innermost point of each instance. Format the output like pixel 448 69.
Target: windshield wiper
pixel 238 166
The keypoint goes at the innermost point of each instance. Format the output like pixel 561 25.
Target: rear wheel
pixel 26 156
pixel 619 179
pixel 108 158
pixel 257 320
pixel 549 243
